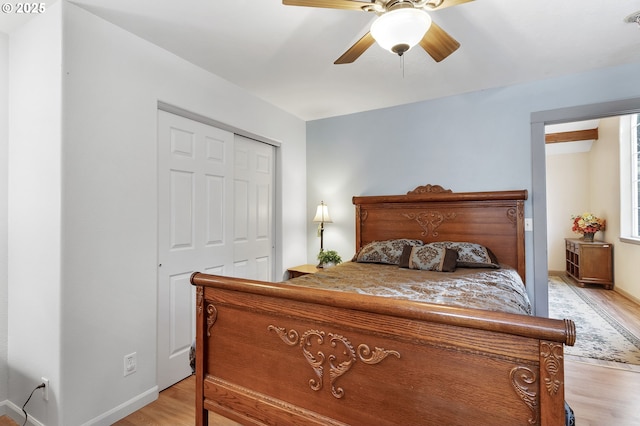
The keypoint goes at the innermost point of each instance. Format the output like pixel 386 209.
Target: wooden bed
pixel 274 353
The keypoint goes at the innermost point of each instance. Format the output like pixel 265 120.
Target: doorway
pixel 539 196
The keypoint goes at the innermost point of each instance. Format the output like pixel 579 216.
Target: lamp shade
pixel 399 30
pixel 322 213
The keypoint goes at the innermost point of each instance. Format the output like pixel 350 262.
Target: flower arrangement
pixel 587 223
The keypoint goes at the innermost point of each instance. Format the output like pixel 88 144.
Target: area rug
pixel 600 338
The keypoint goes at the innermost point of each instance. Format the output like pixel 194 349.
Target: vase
pixel 588 236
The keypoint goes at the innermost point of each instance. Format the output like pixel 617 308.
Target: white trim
pixel 124 409
pixel 630 240
pixel 163 106
pixel 633 176
pixel 627 295
pixel 626 170
pixel 8 408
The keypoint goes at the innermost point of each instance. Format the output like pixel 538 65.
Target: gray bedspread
pixel 488 289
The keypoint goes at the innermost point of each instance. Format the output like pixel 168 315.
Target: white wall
pixel 479 141
pixel 605 201
pixel 604 184
pixel 105 177
pixel 112 83
pixel 568 194
pixel 4 164
pixel 34 237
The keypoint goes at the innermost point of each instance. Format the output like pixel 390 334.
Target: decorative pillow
pixel 387 252
pixel 430 258
pixel 471 255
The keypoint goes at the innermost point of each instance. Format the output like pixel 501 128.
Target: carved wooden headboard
pixel 432 213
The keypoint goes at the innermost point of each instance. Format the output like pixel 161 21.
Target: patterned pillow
pixel 471 255
pixel 387 252
pixel 430 258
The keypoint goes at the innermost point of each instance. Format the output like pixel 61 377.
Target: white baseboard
pixel 124 409
pixel 627 295
pixel 8 408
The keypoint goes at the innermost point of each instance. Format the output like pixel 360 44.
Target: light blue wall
pixel 479 141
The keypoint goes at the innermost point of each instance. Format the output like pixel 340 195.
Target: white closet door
pixel 196 188
pixel 253 209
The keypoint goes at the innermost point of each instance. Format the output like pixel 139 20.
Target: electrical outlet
pixel 45 389
pixel 130 364
pixel 528 224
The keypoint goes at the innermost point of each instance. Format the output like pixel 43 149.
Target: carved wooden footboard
pixel 282 354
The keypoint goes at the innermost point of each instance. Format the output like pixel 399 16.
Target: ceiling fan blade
pixel 331 4
pixel 438 44
pixel 356 50
pixel 433 4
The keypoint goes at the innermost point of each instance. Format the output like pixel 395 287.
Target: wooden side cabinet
pixel 590 262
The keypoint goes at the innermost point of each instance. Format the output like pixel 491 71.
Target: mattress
pixel 480 288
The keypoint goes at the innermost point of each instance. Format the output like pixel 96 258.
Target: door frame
pixel 539 180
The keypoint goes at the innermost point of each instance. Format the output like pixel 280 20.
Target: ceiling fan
pixel 401 24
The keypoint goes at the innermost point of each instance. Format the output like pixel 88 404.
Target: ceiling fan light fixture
pixel 399 30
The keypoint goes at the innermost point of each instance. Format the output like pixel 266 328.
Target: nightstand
pixel 298 271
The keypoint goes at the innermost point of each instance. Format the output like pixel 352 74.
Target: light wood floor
pixel 599 395
pixel 602 395
pixel 174 407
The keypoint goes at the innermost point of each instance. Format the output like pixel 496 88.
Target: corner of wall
pixel 33 210
pixel 4 164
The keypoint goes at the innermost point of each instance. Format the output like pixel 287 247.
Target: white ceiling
pixel 285 54
pixel 568 127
